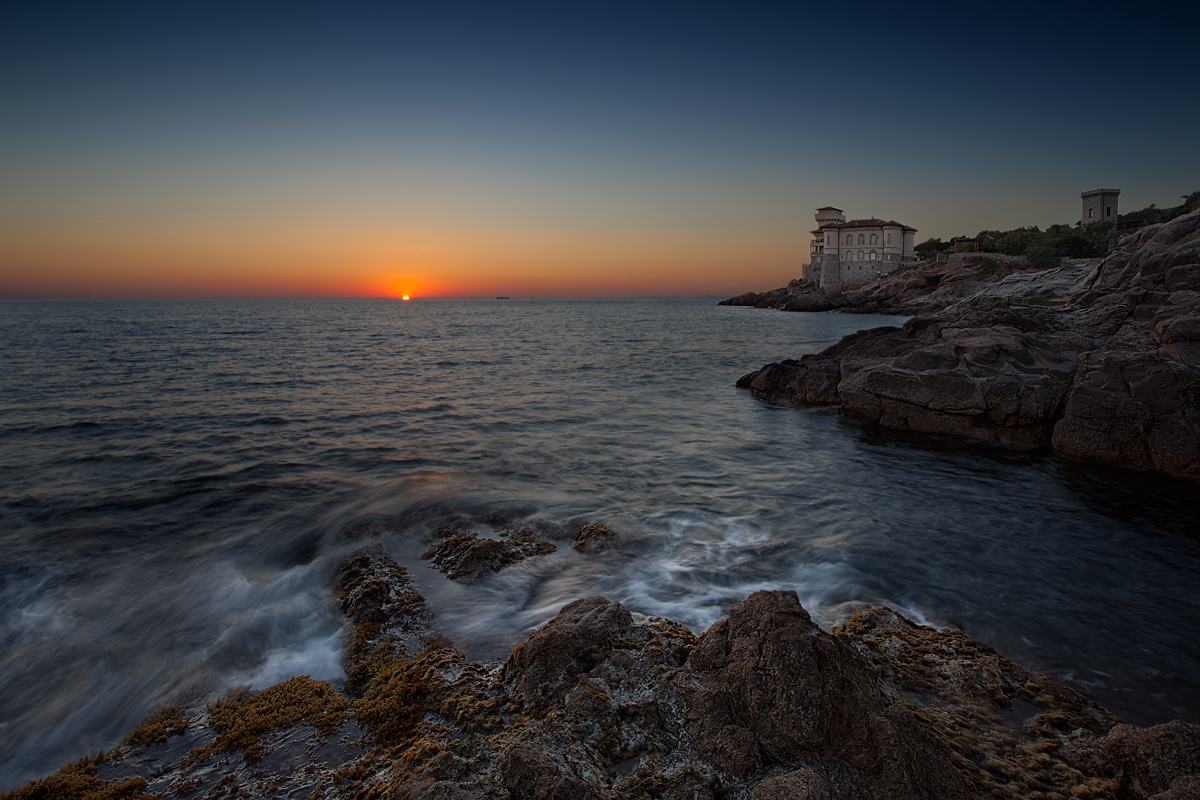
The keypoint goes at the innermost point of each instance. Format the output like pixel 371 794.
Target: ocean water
pixel 179 480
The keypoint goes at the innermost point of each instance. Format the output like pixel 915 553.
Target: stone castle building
pixel 1099 205
pixel 860 248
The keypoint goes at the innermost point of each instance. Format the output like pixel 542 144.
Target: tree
pixel 931 247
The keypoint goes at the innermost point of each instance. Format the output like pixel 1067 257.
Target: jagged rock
pixel 801 784
pixel 778 689
pixel 465 557
pixel 595 538
pixel 385 611
pixel 1146 761
pixel 796 296
pixel 604 704
pixel 1151 252
pixel 583 633
pixel 812 379
pixel 1138 410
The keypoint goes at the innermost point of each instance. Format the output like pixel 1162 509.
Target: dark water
pixel 177 481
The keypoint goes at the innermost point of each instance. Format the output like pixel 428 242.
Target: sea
pixel 179 480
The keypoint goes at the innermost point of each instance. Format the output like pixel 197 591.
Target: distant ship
pixel 501 298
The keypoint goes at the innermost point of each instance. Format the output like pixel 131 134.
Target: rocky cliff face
pixel 1096 361
pixel 930 287
pixel 606 704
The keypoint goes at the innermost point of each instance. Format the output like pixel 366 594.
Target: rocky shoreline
pixel 1096 360
pixel 608 704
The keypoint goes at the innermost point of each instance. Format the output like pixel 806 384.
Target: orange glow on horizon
pixel 368 262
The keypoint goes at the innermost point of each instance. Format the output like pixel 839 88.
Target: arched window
pixel 849 239
pixel 860 255
pixel 874 239
pixel 889 238
pixel 873 254
pixel 861 239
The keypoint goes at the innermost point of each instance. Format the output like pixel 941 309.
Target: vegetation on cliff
pixel 1047 247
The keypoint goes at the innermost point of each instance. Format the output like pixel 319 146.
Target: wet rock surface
pixel 796 296
pixel 595 538
pixel 1095 360
pixel 464 556
pixel 604 703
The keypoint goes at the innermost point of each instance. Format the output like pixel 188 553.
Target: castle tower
pixel 1099 205
pixel 816 272
pixel 827 214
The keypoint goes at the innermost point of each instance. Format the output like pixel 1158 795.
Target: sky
pixel 204 149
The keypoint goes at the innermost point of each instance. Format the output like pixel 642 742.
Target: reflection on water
pixel 179 480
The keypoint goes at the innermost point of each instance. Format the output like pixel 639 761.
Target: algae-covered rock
pixel 604 703
pixel 465 557
pixel 595 538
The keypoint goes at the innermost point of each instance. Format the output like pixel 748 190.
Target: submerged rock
pixel 595 538
pixel 605 704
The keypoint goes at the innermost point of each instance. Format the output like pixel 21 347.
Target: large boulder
pixel 772 687
pixel 1135 409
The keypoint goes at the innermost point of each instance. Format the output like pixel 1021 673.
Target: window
pixel 861 239
pixel 860 255
pixel 889 239
pixel 874 239
pixel 849 240
pixel 1108 211
pixel 873 255
pixel 1091 211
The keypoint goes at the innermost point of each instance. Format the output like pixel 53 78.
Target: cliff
pixel 1095 361
pixel 926 288
pixel 607 704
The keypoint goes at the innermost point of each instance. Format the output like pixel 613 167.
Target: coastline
pixel 1094 360
pixel 602 703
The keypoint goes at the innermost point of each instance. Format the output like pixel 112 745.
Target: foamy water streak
pixel 179 480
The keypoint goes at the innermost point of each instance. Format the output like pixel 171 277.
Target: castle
pixel 1099 205
pixel 860 248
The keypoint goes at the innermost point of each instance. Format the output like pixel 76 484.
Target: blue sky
pixel 512 136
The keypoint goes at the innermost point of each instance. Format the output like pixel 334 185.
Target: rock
pixel 776 688
pixel 583 633
pixel 1152 252
pixel 802 784
pixel 466 558
pixel 747 299
pixel 1146 761
pixel 1137 410
pixel 595 538
pixel 385 611
pixel 598 703
pixel 1052 287
pixel 796 296
pixel 533 773
pixel 812 379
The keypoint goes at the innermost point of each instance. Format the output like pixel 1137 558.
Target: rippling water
pixel 178 480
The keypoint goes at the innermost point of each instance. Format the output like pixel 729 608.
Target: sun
pixel 404 298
